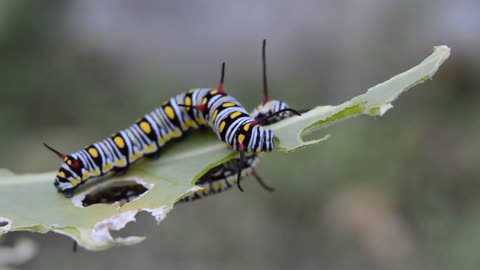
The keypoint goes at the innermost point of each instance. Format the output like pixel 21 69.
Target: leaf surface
pixel 29 202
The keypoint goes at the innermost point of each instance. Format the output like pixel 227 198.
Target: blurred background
pixel 396 192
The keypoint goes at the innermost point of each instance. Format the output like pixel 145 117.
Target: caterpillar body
pixel 224 176
pixel 146 137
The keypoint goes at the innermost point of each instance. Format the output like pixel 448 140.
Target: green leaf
pixel 29 203
pixel 376 101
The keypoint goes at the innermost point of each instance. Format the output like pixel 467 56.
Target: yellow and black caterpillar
pixel 216 180
pixel 189 110
pixel 224 176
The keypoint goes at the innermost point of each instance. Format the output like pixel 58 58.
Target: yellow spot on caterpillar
pixel 200 121
pixel 145 126
pixel 85 175
pixel 189 123
pixel 188 101
pixel 65 158
pixel 135 156
pixel 93 152
pixel 217 186
pixel 120 163
pixel 169 112
pixel 150 148
pixel 235 115
pixel 222 126
pixel 246 127
pixel 119 142
pixel 205 191
pixel 175 134
pixel 69 162
pixel 107 167
pixel 232 180
pixel 214 115
pixel 228 104
pixel 204 100
pixel 61 174
pixel 214 92
pixel 95 172
pixel 163 140
pixel 241 138
pixel 74 182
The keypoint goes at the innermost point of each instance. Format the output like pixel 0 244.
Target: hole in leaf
pixel 5 224
pixel 118 193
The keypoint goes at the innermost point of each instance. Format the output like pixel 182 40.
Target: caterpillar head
pixel 68 176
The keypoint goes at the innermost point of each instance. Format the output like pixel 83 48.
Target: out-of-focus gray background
pixel 396 192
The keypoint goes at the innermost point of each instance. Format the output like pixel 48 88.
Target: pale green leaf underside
pixel 29 202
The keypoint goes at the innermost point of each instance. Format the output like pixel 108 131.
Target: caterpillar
pixel 224 176
pixel 193 109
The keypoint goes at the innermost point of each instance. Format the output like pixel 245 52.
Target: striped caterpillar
pixel 189 110
pixel 224 176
